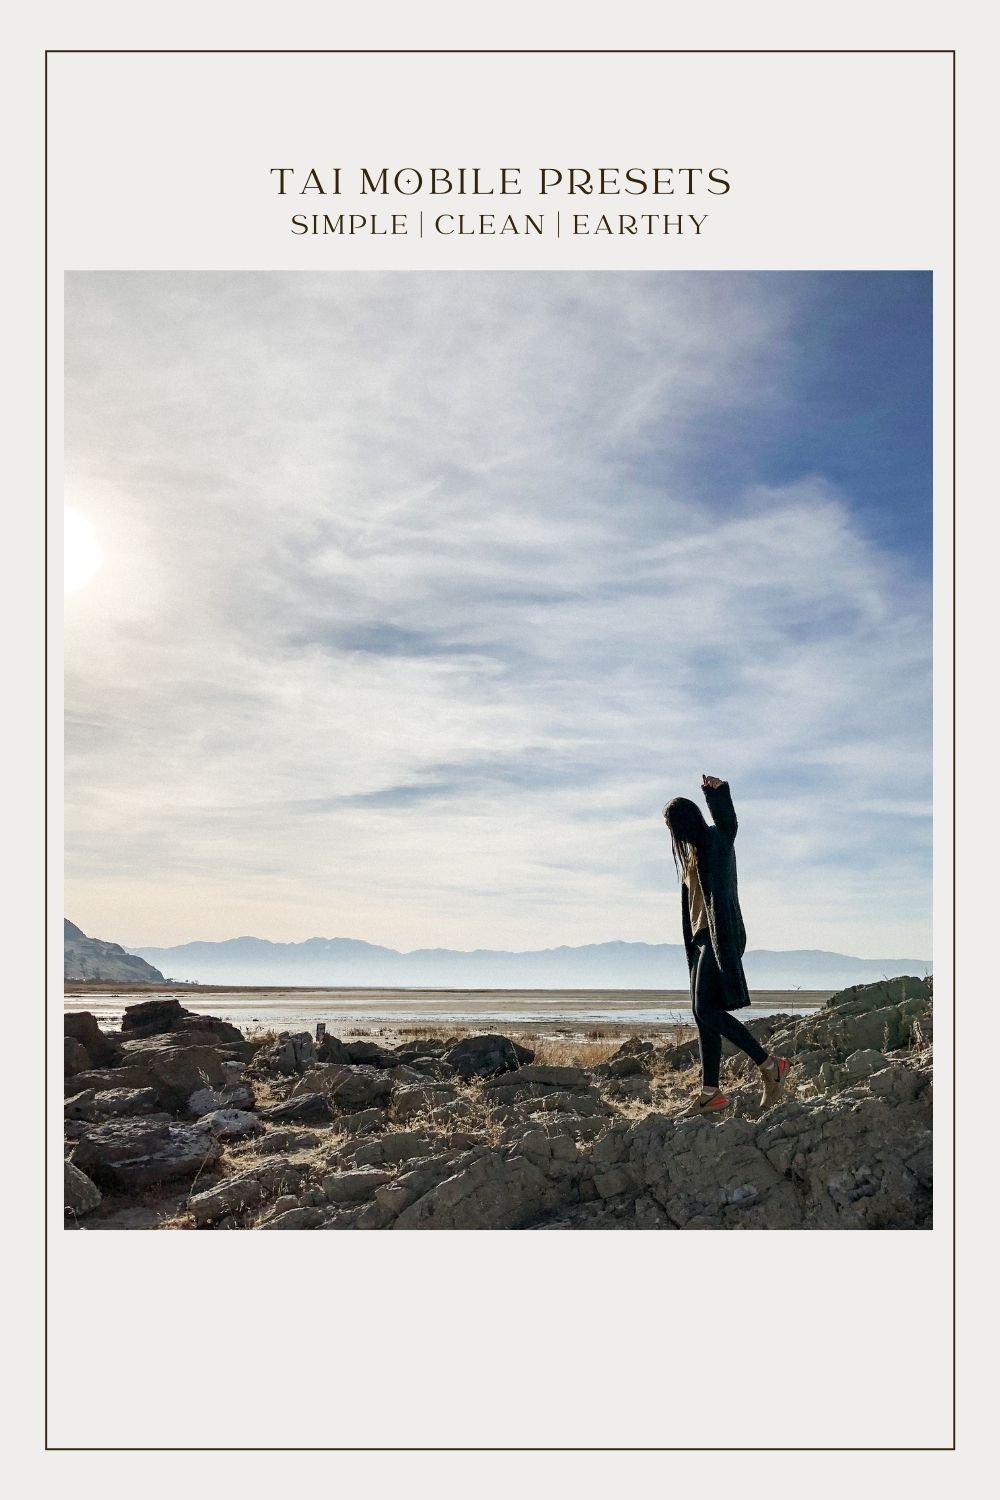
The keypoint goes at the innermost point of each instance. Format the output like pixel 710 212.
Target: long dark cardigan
pixel 717 873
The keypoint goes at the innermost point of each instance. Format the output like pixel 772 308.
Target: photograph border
pixel 502 51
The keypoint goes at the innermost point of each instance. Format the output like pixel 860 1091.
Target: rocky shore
pixel 178 1121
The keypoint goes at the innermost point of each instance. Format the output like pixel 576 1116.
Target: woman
pixel 715 940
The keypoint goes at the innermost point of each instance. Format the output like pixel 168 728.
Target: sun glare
pixel 82 551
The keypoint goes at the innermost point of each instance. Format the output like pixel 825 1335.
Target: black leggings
pixel 713 1021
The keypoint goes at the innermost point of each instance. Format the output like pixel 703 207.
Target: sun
pixel 82 552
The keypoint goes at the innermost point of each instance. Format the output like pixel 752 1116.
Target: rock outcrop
pixel 477 1134
pixel 92 958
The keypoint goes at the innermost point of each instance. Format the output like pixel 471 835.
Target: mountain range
pixel 615 965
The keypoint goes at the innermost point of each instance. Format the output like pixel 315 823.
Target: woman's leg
pixel 734 1031
pixel 706 1016
pixel 714 1022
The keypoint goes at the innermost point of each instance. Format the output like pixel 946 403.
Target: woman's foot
pixel 773 1072
pixel 708 1102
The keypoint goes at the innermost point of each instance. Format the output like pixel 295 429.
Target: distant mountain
pixel 90 958
pixel 597 966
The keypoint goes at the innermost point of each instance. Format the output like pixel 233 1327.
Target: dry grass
pixel 572 1052
pixel 265 1093
pixel 180 1220
pixel 429 1034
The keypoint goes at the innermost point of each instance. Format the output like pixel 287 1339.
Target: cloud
pixel 422 594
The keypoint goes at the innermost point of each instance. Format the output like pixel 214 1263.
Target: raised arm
pixel 720 805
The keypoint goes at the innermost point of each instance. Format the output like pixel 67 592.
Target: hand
pixel 710 781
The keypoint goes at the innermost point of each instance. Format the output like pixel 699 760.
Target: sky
pixel 400 603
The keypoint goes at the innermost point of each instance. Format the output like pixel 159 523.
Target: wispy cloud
pixel 424 592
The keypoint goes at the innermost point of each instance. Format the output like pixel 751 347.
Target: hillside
pixel 92 958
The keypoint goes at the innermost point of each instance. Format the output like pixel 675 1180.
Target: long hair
pixel 687 828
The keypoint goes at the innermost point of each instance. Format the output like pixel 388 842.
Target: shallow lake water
pixel 353 1010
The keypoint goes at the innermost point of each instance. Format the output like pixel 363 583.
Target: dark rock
pixel 843 1163
pixel 151 1016
pixel 303 1107
pixel 330 1049
pixel 634 1049
pixel 80 1195
pixel 421 1047
pixel 612 1182
pixel 425 1049
pixel 284 1140
pixel 108 1078
pixel 83 1027
pixel 486 1056
pixel 541 1074
pixel 625 1067
pixel 403 1145
pixel 561 1102
pixel 492 1191
pixel 451 1113
pixel 719 1179
pixel 160 1016
pixel 366 1152
pixel 423 1174
pixel 212 1029
pixel 174 1068
pixel 418 1099
pixel 231 1124
pixel 370 1053
pixel 897 1083
pixel 635 1086
pixel 204 1101
pixel 876 1030
pixel 80 1106
pixel 679 1057
pixel 187 1152
pixel 364 1121
pixel 368 1216
pixel 116 1140
pixel 354 1187
pixel 861 1064
pixel 75 1057
pixel 407 1073
pixel 286 1203
pixel 432 1068
pixel 883 992
pixel 262 1181
pixel 614 1146
pixel 347 1088
pixel 131 1153
pixel 110 1103
pixel 296 1218
pixel 288 1055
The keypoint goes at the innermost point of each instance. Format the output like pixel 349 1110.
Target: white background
pixel 587 1340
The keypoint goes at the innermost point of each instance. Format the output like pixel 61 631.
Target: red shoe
pixel 710 1106
pixel 774 1072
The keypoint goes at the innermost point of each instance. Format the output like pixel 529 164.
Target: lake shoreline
pixel 405 1012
